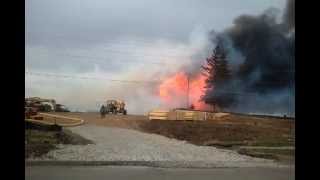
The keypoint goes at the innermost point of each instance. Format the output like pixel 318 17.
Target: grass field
pixel 234 130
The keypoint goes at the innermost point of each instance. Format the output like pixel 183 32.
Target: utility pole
pixel 188 80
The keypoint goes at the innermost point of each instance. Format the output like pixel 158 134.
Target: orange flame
pixel 173 91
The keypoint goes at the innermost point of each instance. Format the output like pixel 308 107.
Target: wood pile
pixel 185 115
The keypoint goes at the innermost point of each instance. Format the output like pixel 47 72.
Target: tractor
pixel 115 106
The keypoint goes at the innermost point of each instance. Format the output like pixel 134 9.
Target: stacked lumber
pixel 158 115
pixel 185 115
pixel 50 119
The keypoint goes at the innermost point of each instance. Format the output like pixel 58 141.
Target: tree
pixel 218 75
pixel 217 68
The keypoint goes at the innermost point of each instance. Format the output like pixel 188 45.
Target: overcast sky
pixel 135 40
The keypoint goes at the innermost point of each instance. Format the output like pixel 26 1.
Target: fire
pixel 196 91
pixel 173 91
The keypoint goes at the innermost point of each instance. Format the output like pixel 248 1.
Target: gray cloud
pixel 61 22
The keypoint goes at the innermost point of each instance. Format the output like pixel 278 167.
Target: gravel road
pixel 116 144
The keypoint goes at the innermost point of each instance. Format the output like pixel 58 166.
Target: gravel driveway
pixel 116 144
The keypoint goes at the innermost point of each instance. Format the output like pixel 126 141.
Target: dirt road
pixel 118 144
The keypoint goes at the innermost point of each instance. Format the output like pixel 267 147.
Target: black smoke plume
pixel 289 15
pixel 263 67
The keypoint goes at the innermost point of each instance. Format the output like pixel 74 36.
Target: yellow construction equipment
pixel 114 107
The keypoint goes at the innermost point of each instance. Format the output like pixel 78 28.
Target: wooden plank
pixel 185 115
pixel 158 115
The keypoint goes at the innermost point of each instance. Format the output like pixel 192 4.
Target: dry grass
pixel 238 132
pixel 285 155
pixel 41 142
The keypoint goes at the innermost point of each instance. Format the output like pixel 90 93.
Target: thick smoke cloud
pixel 289 15
pixel 263 77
